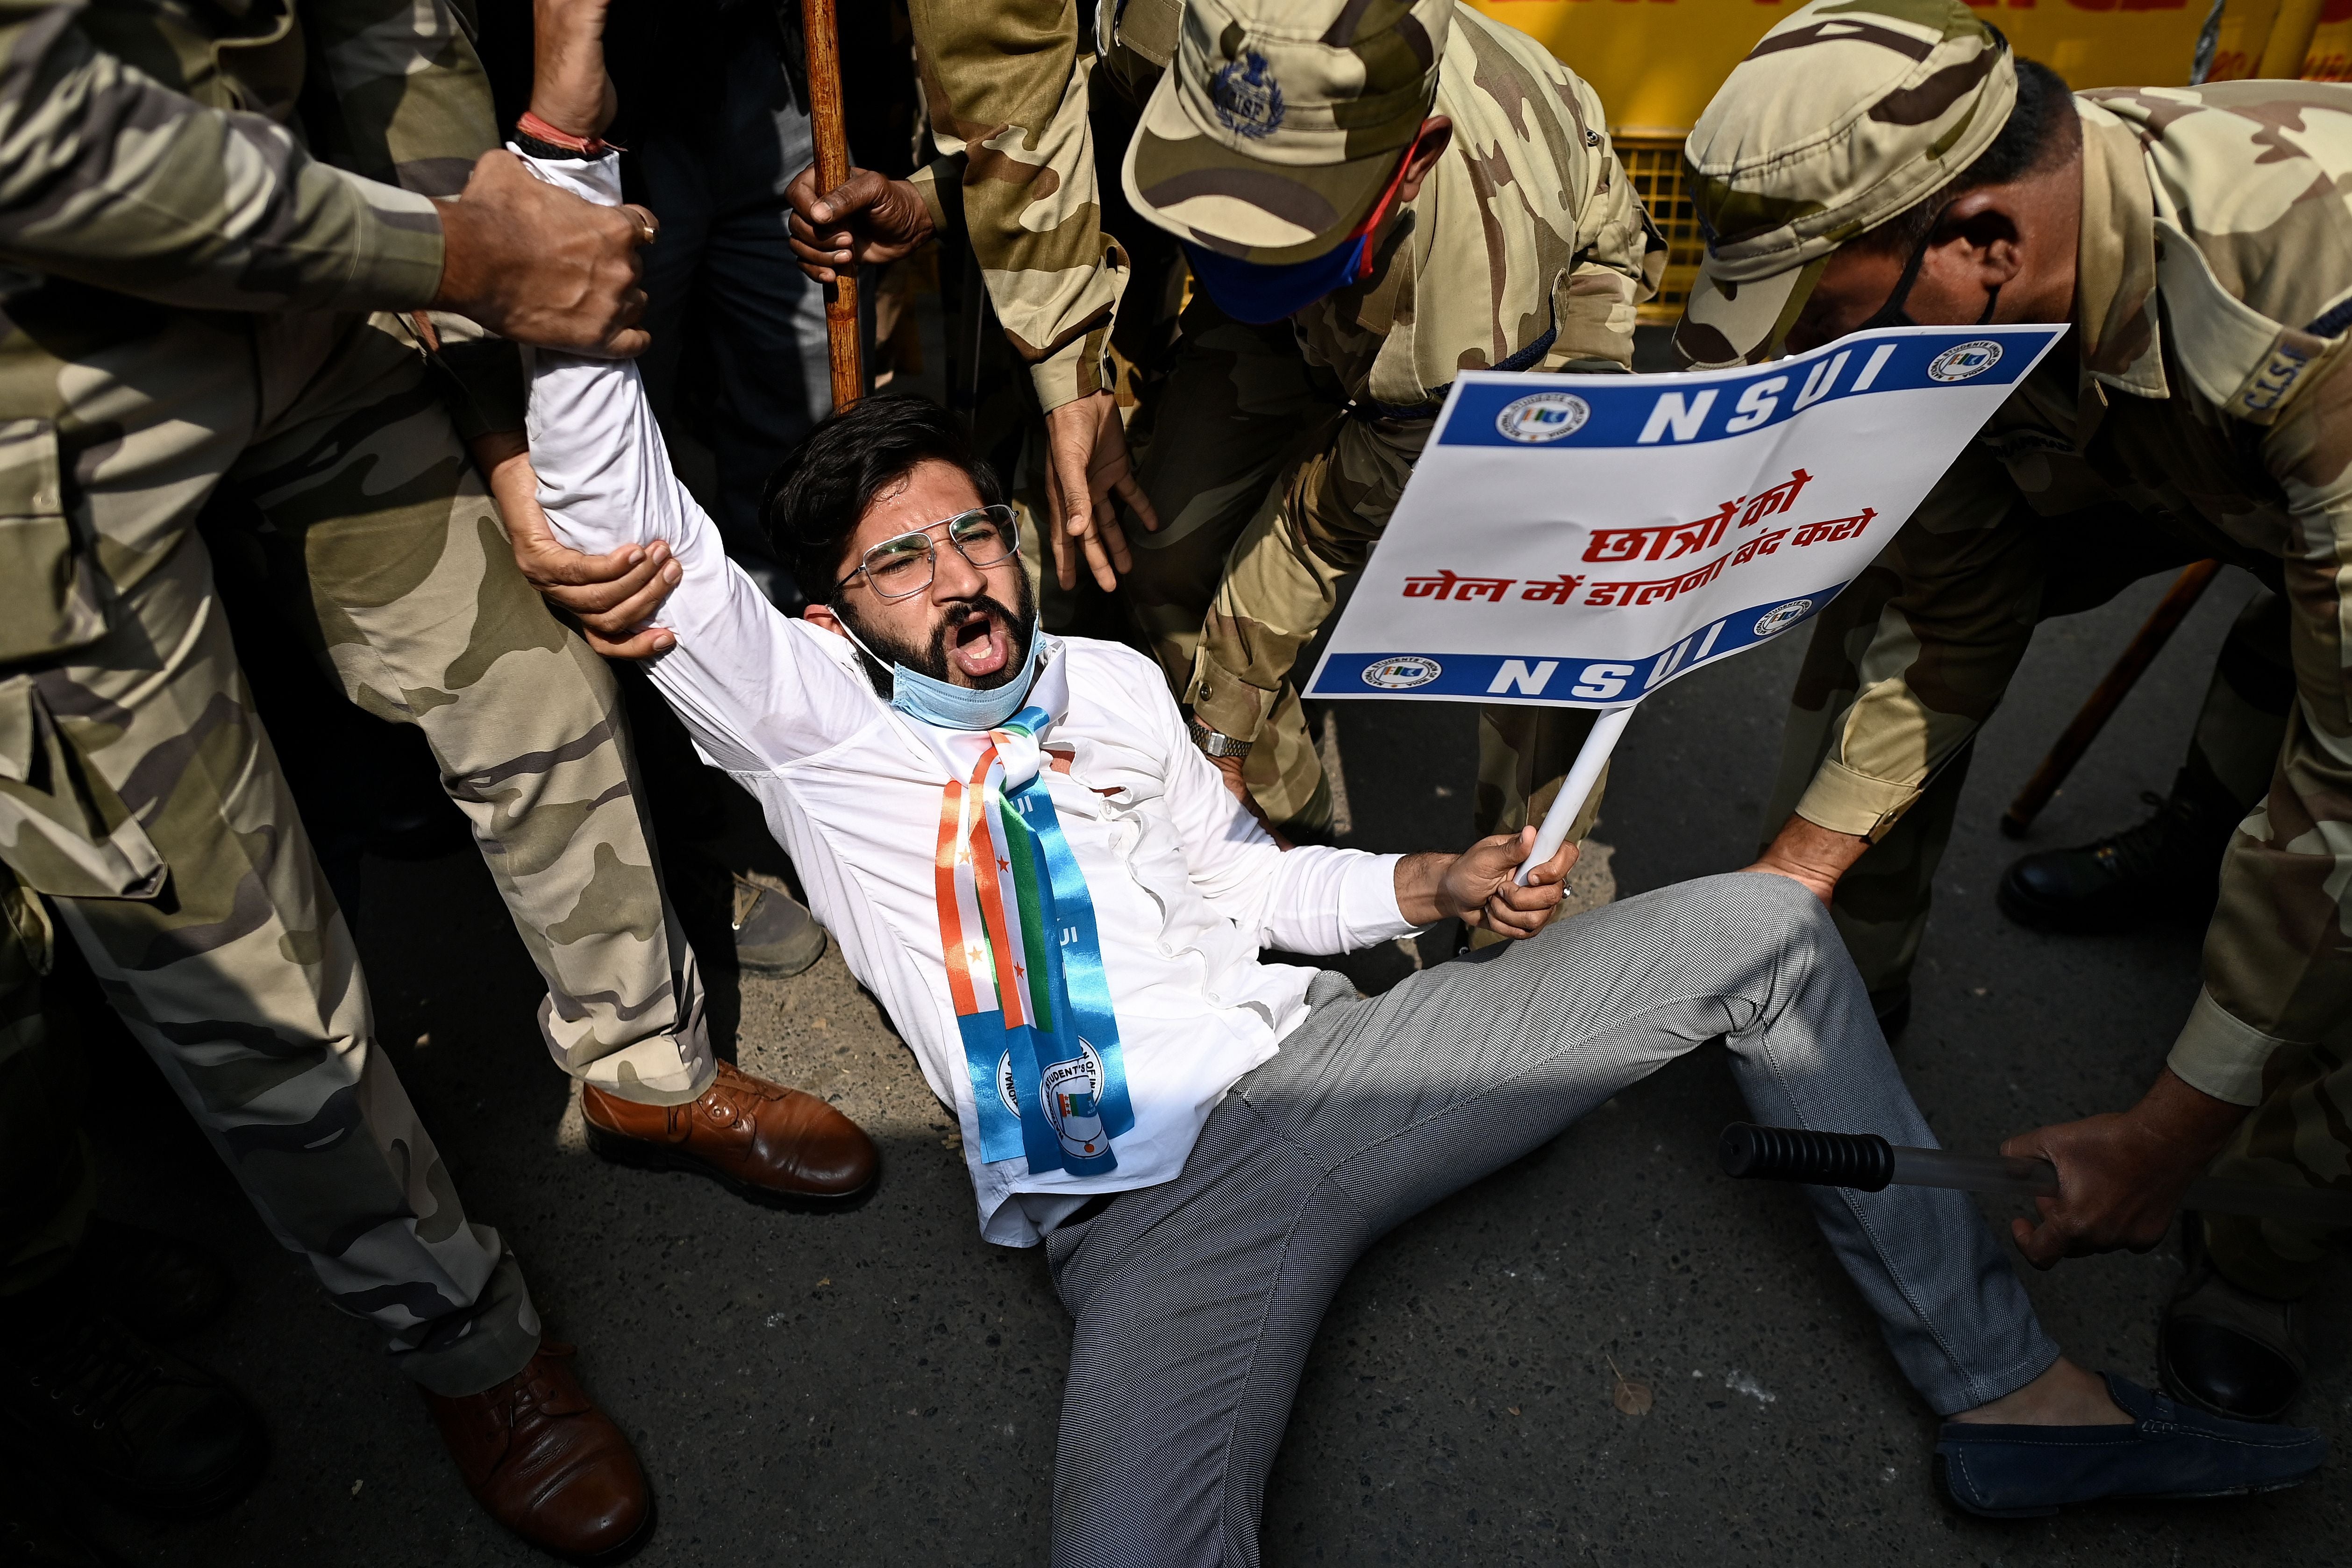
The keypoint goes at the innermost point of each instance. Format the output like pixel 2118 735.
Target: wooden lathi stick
pixel 2146 644
pixel 823 34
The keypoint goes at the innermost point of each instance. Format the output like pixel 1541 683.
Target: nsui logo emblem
pixel 1962 361
pixel 1782 618
pixel 1546 417
pixel 1402 673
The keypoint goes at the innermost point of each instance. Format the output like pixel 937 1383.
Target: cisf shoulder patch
pixel 2245 363
pixel 2296 360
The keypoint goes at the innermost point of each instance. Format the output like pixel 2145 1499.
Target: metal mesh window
pixel 1655 164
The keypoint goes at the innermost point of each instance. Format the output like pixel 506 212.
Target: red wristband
pixel 539 129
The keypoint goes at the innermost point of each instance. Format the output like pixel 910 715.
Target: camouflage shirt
pixel 1525 227
pixel 1006 86
pixel 2214 271
pixel 152 149
pixel 1527 223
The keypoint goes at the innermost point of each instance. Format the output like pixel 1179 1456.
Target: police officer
pixel 187 317
pixel 1884 162
pixel 1342 280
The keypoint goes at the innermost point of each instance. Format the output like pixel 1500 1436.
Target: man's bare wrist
pixel 2177 1113
pixel 1419 882
pixel 460 251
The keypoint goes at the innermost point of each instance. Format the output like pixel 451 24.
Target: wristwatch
pixel 1217 743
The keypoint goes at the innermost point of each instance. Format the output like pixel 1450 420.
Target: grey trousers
pixel 1197 1300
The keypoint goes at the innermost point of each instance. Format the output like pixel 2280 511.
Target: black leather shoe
pixel 2225 1349
pixel 2031 1472
pixel 2167 867
pixel 155 1285
pixel 79 1393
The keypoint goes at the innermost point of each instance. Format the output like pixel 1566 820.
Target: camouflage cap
pixel 1278 123
pixel 1845 114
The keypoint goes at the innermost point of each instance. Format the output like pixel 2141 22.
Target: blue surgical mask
pixel 1249 292
pixel 950 706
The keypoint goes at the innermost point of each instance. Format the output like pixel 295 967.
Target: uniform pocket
pixel 63 829
pixel 48 586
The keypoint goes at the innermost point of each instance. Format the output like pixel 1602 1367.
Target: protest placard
pixel 1578 541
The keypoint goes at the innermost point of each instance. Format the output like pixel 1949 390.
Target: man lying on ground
pixel 1061 906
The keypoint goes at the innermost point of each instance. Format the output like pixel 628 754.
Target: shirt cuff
pixel 2218 1055
pixel 925 181
pixel 1844 801
pixel 594 180
pixel 1367 901
pixel 398 251
pixel 1075 370
pixel 1226 703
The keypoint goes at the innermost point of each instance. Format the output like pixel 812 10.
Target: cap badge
pixel 1245 97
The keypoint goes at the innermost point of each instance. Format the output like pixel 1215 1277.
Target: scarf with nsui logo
pixel 1023 959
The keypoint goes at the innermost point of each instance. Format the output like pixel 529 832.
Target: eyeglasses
pixel 902 567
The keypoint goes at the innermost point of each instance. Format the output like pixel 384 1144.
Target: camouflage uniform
pixel 1272 478
pixel 1278 452
pixel 137 790
pixel 1006 86
pixel 2204 416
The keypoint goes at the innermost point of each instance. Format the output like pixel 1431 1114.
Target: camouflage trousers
pixel 139 795
pixel 2301 1131
pixel 232 965
pixel 1270 494
pixel 326 432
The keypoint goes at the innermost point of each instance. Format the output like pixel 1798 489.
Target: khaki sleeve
pixel 109 177
pixel 1620 256
pixel 1966 573
pixel 2278 956
pixel 406 100
pixel 1007 90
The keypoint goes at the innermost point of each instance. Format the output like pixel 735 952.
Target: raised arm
pixel 733 666
pixel 754 689
pixel 111 178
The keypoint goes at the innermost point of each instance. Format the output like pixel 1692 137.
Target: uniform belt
pixel 1526 358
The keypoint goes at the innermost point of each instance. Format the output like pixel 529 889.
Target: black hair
pixel 2042 129
pixel 815 496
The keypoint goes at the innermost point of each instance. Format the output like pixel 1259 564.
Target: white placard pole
pixel 1576 788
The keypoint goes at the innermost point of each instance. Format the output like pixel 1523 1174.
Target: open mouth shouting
pixel 978 641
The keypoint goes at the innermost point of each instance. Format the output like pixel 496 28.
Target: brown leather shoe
pixel 547 1464
pixel 772 1144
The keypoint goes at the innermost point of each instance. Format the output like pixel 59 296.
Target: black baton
pixel 1869 1163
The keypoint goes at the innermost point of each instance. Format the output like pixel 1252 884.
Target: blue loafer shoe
pixel 2169 1450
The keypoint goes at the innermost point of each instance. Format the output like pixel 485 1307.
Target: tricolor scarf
pixel 1023 959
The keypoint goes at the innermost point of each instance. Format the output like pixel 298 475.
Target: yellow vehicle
pixel 1655 63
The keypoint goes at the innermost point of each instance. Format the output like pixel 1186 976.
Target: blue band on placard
pixel 1561 679
pixel 1679 410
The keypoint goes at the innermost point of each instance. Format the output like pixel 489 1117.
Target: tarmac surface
pixel 881 1387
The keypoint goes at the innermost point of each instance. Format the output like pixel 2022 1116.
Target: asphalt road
pixel 881 1387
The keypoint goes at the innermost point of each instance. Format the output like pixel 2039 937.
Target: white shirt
pixel 1187 887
